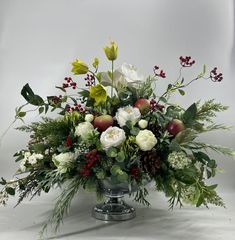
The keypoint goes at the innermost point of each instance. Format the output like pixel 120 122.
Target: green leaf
pixel 200 200
pixel 134 131
pixel 174 146
pixel 122 177
pixel 212 187
pixel 84 93
pixel 203 72
pixel 182 92
pixel 10 190
pixel 120 156
pixel 201 156
pixel 112 152
pixel 190 114
pixel 40 110
pixel 212 164
pixel 115 169
pixel 30 97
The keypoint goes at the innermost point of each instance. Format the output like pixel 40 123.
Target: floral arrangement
pixel 117 127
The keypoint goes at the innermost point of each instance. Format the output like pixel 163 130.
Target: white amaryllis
pixel 83 130
pixel 112 137
pixel 63 161
pixel 146 140
pixel 125 75
pixel 127 113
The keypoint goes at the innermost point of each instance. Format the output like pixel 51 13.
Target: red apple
pixel 143 105
pixel 175 126
pixel 103 122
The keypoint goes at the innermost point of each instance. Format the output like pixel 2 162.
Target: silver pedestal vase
pixel 114 208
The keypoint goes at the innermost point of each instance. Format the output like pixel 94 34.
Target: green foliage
pixel 30 97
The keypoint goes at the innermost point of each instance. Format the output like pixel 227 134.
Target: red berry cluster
pixel 90 80
pixel 186 61
pixel 56 99
pixel 75 107
pixel 216 77
pixel 135 172
pixel 155 106
pixel 91 158
pixel 159 73
pixel 69 83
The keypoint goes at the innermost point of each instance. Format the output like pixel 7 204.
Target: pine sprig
pixel 208 110
pixel 141 195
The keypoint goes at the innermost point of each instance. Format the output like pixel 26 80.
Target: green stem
pixel 112 81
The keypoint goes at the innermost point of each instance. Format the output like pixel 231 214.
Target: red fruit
pixel 143 105
pixel 175 126
pixel 103 122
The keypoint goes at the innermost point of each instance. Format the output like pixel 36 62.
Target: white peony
pixel 83 130
pixel 125 75
pixel 63 161
pixel 112 137
pixel 127 113
pixel 146 140
pixel 143 123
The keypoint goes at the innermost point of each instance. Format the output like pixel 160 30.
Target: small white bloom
pixel 22 165
pixel 146 140
pixel 89 118
pixel 27 154
pixel 112 137
pixel 32 160
pixel 178 160
pixel 125 75
pixel 127 113
pixel 143 123
pixel 83 130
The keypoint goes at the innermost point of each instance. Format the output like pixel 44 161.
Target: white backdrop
pixel 39 39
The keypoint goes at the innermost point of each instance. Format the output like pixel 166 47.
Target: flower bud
pixel 89 118
pixel 112 51
pixel 79 67
pixel 95 62
pixel 143 123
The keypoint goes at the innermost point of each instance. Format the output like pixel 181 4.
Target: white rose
pixel 83 130
pixel 63 161
pixel 125 75
pixel 112 137
pixel 89 118
pixel 143 123
pixel 146 140
pixel 127 113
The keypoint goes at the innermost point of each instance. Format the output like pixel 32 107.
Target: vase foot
pixel 113 211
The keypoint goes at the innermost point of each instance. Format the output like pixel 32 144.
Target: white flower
pixel 63 161
pixel 178 160
pixel 33 159
pixel 125 75
pixel 112 137
pixel 22 165
pixel 127 113
pixel 146 140
pixel 89 118
pixel 83 130
pixel 143 123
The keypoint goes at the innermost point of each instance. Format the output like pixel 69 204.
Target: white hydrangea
pixel 178 160
pixel 127 113
pixel 83 130
pixel 146 140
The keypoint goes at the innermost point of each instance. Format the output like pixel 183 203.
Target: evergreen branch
pixel 140 197
pixel 62 205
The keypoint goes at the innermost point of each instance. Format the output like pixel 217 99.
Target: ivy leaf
pixel 30 97
pixel 190 114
